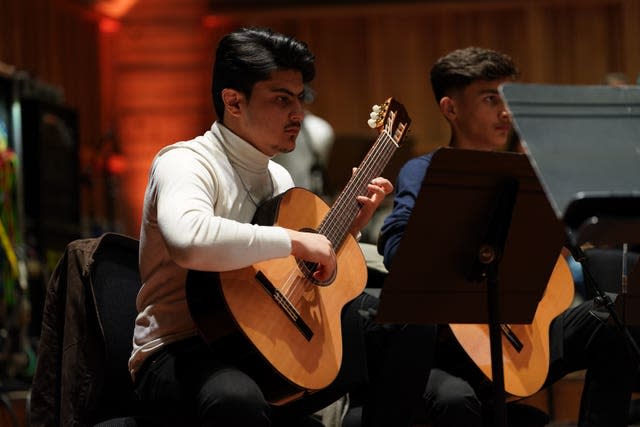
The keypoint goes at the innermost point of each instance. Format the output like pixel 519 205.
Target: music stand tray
pixel 584 145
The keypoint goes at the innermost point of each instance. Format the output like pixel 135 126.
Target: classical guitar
pixel 525 347
pixel 292 320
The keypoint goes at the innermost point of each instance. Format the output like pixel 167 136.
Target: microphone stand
pixel 602 298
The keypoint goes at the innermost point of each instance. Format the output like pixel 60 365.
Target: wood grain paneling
pixel 166 87
pixel 158 62
pixel 568 42
pixel 180 43
pixel 161 63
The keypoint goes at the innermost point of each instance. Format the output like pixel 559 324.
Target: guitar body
pixel 307 361
pixel 524 371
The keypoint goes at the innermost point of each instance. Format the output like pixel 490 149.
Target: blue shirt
pixel 406 192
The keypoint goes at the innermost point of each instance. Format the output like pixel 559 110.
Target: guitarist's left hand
pixel 378 190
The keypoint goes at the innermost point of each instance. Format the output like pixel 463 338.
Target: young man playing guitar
pixel 465 84
pixel 200 200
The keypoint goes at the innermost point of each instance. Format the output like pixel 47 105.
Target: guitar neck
pixel 337 222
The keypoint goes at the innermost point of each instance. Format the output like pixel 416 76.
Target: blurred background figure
pixel 307 164
pixel 615 79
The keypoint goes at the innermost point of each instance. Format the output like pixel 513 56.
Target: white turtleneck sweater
pixel 199 201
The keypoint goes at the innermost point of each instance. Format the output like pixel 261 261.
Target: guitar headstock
pixel 391 118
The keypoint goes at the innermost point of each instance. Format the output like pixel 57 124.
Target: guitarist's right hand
pixel 316 248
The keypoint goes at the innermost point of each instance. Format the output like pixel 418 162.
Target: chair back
pixel 605 265
pixel 115 282
pixel 86 338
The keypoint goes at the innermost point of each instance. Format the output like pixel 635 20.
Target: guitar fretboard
pixel 337 222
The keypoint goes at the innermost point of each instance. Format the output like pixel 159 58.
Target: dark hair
pixel 459 68
pixel 249 55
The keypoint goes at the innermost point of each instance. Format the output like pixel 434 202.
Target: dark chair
pixel 82 376
pixel 605 266
pixel 115 283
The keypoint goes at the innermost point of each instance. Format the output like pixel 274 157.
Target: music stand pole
pixel 486 267
pixel 500 413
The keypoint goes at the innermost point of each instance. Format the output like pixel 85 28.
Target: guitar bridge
pixel 512 337
pixel 285 305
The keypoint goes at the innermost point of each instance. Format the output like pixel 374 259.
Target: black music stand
pixel 481 219
pixel 584 145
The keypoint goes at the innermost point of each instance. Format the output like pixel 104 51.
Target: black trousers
pixel 584 337
pixel 385 368
pixel 580 338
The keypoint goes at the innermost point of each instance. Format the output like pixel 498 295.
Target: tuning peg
pixel 372 123
pixel 376 108
pixel 374 115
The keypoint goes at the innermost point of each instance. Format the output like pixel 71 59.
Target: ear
pixel 231 99
pixel 448 108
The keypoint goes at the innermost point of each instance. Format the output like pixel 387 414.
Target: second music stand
pixel 583 142
pixel 481 219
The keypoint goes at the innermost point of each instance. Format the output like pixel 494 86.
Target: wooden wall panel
pixel 366 53
pixel 161 64
pixel 391 48
pixel 145 134
pixel 56 44
pixel 630 43
pixel 581 43
pixel 156 65
pixel 169 87
pixel 342 70
pixel 165 46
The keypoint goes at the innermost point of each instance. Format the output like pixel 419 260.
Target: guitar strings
pixel 326 226
pixel 364 174
pixel 336 223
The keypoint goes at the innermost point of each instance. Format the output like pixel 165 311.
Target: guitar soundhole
pixel 308 268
